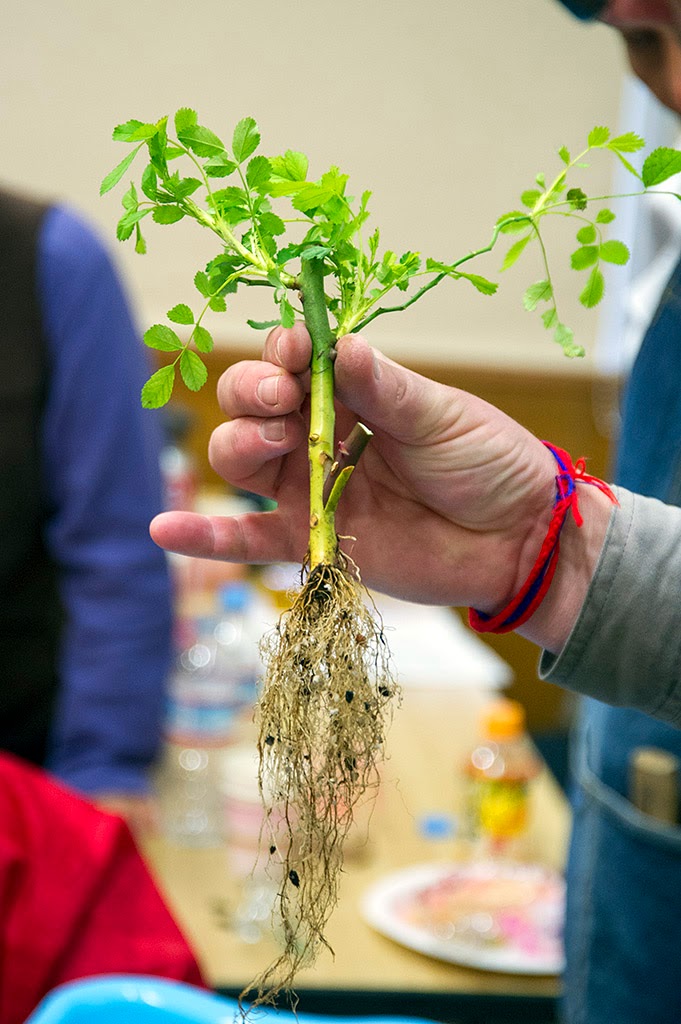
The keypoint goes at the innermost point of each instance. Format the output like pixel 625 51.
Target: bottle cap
pixel 235 596
pixel 503 720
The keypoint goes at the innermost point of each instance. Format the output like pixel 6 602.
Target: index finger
pixel 289 347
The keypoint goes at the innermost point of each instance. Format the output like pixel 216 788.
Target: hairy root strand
pixel 322 717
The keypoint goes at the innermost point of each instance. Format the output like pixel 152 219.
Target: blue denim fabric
pixel 623 930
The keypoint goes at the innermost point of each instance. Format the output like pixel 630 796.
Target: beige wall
pixel 445 109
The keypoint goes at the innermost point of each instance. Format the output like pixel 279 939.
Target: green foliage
pixel 247 199
pixel 558 199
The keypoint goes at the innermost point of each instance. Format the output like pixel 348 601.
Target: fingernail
pixel 377 367
pixel 268 390
pixel 273 430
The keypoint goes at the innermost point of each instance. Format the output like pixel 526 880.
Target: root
pixel 322 718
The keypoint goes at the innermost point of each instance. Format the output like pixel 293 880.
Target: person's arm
pixel 102 477
pixel 450 504
pixel 625 647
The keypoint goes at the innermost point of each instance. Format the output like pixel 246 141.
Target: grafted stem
pixel 323 541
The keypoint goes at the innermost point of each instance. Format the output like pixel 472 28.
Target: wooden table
pixel 428 740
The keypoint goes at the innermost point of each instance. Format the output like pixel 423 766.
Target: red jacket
pixel 76 898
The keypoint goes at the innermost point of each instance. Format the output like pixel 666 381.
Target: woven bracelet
pixel 532 593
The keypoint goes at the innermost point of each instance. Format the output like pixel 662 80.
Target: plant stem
pixel 323 540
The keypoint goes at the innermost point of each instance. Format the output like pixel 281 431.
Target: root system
pixel 322 718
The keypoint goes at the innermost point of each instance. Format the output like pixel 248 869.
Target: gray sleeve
pixel 625 647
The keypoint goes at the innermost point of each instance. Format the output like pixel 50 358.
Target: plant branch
pixel 347 457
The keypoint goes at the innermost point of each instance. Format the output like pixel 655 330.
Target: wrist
pixel 580 549
pixel 554 626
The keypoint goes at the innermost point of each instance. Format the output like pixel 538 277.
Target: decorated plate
pixel 492 916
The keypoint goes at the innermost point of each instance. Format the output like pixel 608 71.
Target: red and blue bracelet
pixel 532 593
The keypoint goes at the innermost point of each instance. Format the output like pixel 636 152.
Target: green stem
pixel 323 540
pixel 382 310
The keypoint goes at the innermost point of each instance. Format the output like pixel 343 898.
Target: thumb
pixel 398 401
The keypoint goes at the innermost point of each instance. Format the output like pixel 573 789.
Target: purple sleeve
pixel 101 467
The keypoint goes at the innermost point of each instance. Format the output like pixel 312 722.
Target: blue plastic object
pixel 137 999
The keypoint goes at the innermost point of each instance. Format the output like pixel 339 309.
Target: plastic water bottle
pixel 237 636
pixel 212 685
pixel 500 770
pixel 250 834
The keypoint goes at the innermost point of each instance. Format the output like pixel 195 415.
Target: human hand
pixel 449 503
pixel 138 810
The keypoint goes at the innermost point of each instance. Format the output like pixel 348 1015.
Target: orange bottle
pixel 500 770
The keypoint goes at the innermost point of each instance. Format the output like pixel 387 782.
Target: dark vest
pixel 30 615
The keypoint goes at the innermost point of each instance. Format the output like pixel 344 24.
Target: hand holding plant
pixel 328 690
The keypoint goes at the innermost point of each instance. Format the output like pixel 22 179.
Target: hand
pixel 139 811
pixel 449 503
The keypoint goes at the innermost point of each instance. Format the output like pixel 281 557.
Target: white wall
pixel 446 109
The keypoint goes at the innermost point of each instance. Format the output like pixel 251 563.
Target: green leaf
pixel 203 339
pixel 565 338
pixel 310 197
pixel 614 252
pixel 587 234
pixel 517 220
pixel 140 244
pixel 180 314
pixel 230 197
pixel 584 257
pixel 541 181
pixel 158 388
pixel 625 163
pixel 550 317
pixel 598 136
pixel 564 154
pixel 539 292
pixel 605 216
pixel 185 118
pixel 659 165
pixel 167 214
pixel 202 284
pixel 130 201
pixel 313 252
pixel 181 188
pixel 263 325
pixel 134 131
pixel 481 283
pixel 149 183
pixel 593 292
pixel 158 150
pixel 288 316
pixel 163 338
pixel 630 142
pixel 201 141
pixel 291 166
pixel 515 251
pixel 245 140
pixel 113 177
pixel 270 224
pixel 258 172
pixel 126 224
pixel 193 370
pixel 530 197
pixel 219 166
pixel 218 304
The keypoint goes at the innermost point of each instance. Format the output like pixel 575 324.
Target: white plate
pixel 491 916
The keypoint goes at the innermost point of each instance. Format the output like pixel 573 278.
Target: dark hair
pixel 585 9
